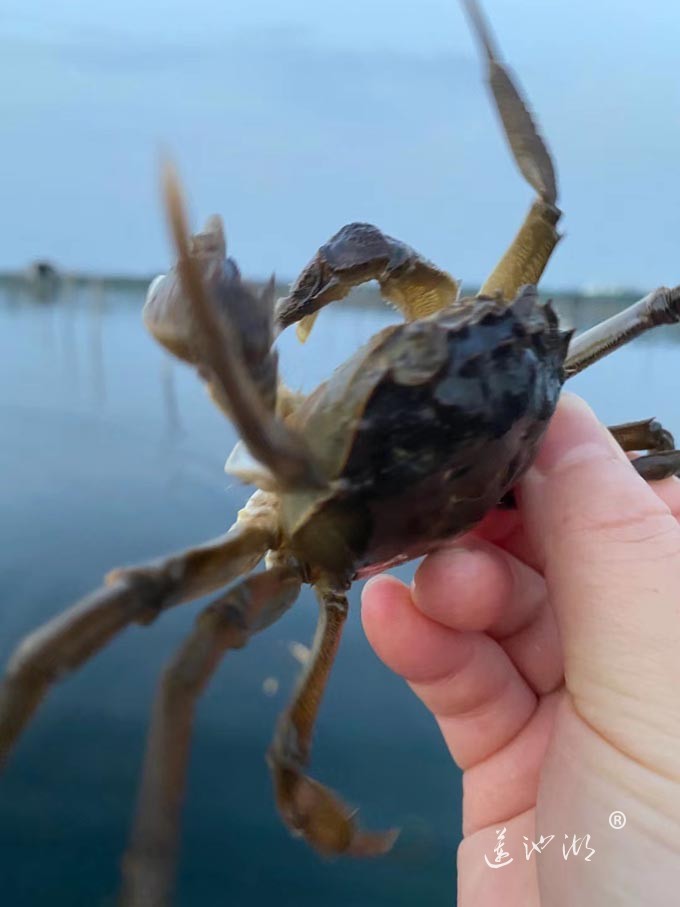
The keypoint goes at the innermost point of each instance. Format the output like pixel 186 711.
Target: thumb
pixel 610 550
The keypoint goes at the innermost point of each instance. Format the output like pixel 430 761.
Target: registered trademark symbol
pixel 617 819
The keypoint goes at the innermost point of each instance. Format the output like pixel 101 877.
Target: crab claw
pixel 166 313
pixel 354 255
pixel 247 315
pixel 316 813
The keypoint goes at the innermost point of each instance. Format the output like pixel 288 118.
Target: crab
pixel 408 444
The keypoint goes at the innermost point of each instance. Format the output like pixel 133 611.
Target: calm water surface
pixel 110 454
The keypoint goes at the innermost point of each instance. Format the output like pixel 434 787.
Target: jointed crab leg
pixel 661 306
pixel 227 623
pixel 656 466
pixel 531 249
pixel 307 807
pixel 662 462
pixel 135 595
pixel 647 434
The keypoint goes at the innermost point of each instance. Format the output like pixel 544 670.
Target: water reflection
pixel 112 454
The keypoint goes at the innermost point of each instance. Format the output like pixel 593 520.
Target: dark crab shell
pixel 444 416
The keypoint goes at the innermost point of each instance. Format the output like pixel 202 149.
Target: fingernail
pixel 574 435
pixel 371 582
pixel 379 578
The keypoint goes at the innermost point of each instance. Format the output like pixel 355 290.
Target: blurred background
pixel 290 121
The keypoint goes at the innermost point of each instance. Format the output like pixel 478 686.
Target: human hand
pixel 547 646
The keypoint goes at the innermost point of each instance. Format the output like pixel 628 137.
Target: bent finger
pixel 466 680
pixel 478 586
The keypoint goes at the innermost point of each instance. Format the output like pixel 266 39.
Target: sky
pixel 292 119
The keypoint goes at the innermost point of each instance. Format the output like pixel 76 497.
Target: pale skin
pixel 547 647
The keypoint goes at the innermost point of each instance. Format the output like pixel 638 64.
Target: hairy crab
pixel 410 442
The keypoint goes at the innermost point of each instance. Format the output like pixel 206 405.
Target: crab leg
pixel 657 466
pixel 533 245
pixel 647 434
pixel 661 306
pixel 307 807
pixel 663 461
pixel 133 595
pixel 228 623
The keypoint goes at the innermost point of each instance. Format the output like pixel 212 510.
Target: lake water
pixel 110 454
